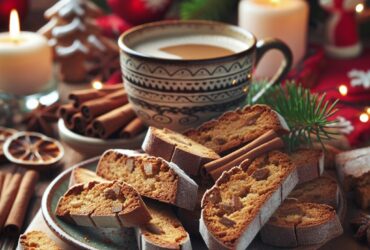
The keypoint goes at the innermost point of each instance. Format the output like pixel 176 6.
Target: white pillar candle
pixel 25 62
pixel 283 19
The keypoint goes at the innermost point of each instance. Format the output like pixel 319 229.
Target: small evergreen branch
pixel 217 10
pixel 305 113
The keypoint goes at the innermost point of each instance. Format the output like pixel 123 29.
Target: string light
pixel 343 90
pixel 368 110
pixel 32 103
pixel 360 7
pixel 364 118
pixel 97 84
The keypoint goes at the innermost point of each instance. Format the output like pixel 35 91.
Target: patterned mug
pixel 182 93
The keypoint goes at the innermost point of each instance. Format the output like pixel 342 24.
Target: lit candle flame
pixel 14 27
pixel 97 84
pixel 343 90
pixel 360 7
pixel 364 118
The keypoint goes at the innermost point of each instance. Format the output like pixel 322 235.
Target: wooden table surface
pixel 70 158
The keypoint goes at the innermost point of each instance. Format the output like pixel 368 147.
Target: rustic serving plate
pixel 112 239
pixel 82 237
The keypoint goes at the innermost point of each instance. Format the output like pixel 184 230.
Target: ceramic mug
pixel 183 93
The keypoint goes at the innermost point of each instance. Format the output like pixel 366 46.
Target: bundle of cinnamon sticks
pixel 103 113
pixel 16 190
pixel 245 155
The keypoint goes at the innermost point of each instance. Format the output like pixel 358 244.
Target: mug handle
pixel 262 47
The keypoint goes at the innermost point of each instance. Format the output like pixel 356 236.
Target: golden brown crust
pixel 163 231
pixel 237 127
pixel 301 223
pixel 177 148
pixel 322 190
pixel 83 175
pixel 238 202
pixel 108 204
pixel 151 176
pixel 36 240
pixel 309 162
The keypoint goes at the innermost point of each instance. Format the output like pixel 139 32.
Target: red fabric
pixel 115 78
pixel 140 11
pixel 112 26
pixel 334 74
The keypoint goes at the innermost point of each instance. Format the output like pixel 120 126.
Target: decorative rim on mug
pixel 122 41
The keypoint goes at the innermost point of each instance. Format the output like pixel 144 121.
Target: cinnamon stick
pixel 269 135
pixel 81 96
pixel 16 215
pixel 90 131
pixel 135 127
pixel 8 197
pixel 94 108
pixel 7 178
pixel 2 178
pixel 275 143
pixel 78 123
pixel 111 122
pixel 66 112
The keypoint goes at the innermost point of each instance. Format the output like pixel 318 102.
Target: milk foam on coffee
pixel 211 46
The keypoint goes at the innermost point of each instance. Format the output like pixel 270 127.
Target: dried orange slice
pixel 5 133
pixel 32 149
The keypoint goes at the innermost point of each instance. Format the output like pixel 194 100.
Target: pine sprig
pixel 306 114
pixel 217 10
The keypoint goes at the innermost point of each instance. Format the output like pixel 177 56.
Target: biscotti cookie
pixel 301 224
pixel 151 176
pixel 164 231
pixel 309 163
pixel 108 204
pixel 322 190
pixel 177 148
pixel 238 127
pixel 353 168
pixel 36 240
pixel 190 219
pixel 362 196
pixel 83 175
pixel 243 199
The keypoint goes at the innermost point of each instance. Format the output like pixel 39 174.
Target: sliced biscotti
pixel 353 168
pixel 107 204
pixel 238 127
pixel 36 240
pixel 164 231
pixel 151 176
pixel 83 175
pixel 300 224
pixel 362 196
pixel 322 190
pixel 177 148
pixel 243 199
pixel 309 162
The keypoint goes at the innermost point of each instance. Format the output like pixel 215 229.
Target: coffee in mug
pixel 191 46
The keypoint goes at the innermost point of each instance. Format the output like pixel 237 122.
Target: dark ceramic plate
pixel 82 237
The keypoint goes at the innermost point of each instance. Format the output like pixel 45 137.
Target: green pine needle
pixel 217 10
pixel 305 113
